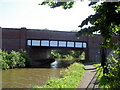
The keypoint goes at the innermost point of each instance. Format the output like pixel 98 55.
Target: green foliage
pixel 82 56
pixel 67 57
pixel 67 54
pixel 4 60
pixel 13 59
pixel 68 80
pixel 74 30
pixel 106 20
pixel 25 57
pixel 114 72
pixel 96 65
pixel 101 78
pixel 55 55
pixel 112 78
pixel 54 3
pixel 102 21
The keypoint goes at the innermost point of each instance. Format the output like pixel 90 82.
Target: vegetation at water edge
pixel 70 79
pixel 67 54
pixel 14 59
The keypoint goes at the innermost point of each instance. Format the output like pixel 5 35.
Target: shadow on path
pixel 90 69
pixel 89 79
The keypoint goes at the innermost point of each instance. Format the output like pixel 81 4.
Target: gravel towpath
pixel 89 79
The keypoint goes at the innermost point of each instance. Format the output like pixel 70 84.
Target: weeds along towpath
pixel 89 79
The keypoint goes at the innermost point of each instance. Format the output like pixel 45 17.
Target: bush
pixel 14 59
pixel 68 80
pixel 4 59
pixel 25 56
pixel 67 54
pixel 114 72
pixel 112 78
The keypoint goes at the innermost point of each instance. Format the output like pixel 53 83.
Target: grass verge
pixel 69 80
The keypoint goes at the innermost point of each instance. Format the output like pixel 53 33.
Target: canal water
pixel 29 77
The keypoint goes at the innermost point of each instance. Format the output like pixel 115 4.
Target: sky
pixel 27 13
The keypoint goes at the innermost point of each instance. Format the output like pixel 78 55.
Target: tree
pixel 107 21
pixel 100 21
pixel 58 3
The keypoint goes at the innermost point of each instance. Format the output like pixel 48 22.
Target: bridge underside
pixel 40 50
pixel 39 55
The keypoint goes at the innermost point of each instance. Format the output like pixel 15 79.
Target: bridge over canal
pixel 39 43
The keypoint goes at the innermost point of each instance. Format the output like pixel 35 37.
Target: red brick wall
pixel 15 39
pixel 53 35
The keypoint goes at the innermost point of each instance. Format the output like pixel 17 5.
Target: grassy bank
pixel 70 79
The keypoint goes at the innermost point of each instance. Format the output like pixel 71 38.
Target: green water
pixel 29 77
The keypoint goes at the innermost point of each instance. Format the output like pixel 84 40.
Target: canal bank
pixel 29 77
pixel 70 79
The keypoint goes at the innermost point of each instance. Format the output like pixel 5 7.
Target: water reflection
pixel 29 77
pixel 54 64
pixel 61 64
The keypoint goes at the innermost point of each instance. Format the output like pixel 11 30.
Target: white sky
pixel 27 13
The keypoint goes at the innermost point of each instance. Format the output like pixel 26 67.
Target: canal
pixel 29 77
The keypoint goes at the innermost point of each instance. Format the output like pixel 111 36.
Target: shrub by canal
pixel 110 80
pixel 70 79
pixel 67 54
pixel 14 59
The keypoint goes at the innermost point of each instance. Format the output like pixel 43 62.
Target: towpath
pixel 89 79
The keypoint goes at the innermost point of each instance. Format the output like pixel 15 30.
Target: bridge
pixel 39 43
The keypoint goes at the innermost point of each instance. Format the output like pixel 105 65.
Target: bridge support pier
pixel 38 55
pixel 86 54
